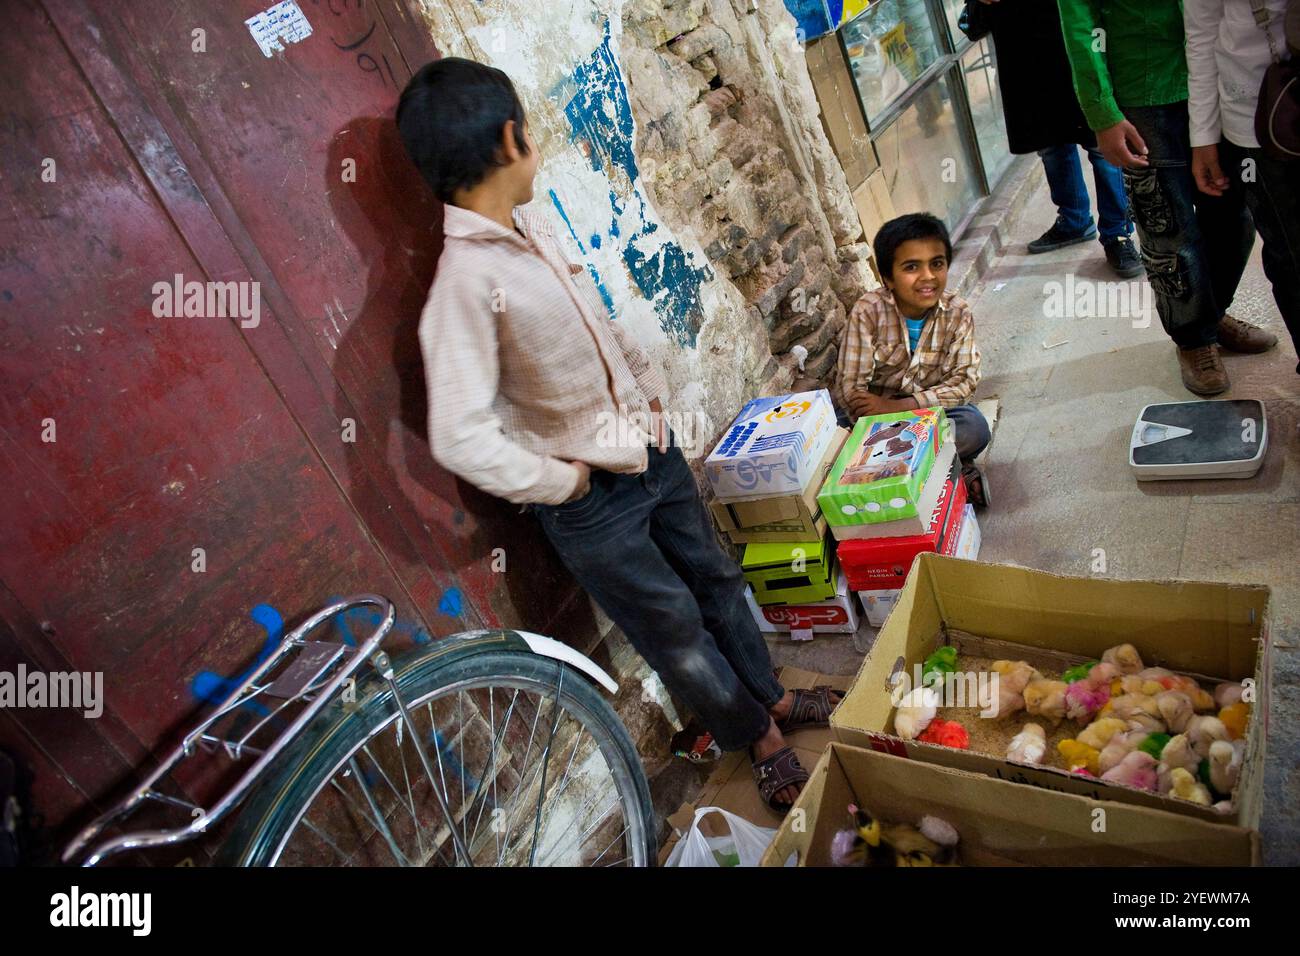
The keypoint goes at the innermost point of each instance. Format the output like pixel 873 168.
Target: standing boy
pixel 1229 47
pixel 526 373
pixel 1130 75
pixel 912 343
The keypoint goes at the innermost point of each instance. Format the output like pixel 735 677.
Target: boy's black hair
pixel 450 118
pixel 915 225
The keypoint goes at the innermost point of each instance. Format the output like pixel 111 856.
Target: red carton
pixel 877 564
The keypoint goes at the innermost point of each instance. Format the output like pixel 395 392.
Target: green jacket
pixel 1135 57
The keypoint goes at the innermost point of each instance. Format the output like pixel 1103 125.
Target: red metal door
pixel 293 451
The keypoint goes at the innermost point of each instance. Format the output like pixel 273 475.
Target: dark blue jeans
pixel 971 430
pixel 1070 194
pixel 1194 246
pixel 643 546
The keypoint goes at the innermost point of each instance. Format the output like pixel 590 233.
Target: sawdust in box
pixel 1211 631
pixel 731 786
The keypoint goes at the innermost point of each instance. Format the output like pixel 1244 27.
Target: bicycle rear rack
pixel 314 677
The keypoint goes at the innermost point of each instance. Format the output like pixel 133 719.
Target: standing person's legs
pixel 1169 230
pixel 1273 195
pixel 683 530
pixel 1229 235
pixel 1112 204
pixel 605 541
pixel 1068 191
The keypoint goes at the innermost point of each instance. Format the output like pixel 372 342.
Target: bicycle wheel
pixel 526 765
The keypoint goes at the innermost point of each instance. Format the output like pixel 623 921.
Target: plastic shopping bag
pixel 743 846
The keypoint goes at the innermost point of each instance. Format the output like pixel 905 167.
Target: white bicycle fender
pixel 550 647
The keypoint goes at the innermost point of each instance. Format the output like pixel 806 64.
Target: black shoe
pixel 1059 238
pixel 1123 257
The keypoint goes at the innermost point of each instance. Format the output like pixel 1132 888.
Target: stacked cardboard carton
pixel 766 473
pixel 895 492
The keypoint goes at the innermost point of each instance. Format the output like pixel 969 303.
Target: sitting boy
pixel 525 371
pixel 912 343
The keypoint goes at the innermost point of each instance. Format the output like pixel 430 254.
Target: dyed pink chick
pixel 1083 700
pixel 1138 769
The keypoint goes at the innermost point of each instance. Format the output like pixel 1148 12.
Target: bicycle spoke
pixel 326 840
pixel 379 821
pixel 545 807
pixel 608 845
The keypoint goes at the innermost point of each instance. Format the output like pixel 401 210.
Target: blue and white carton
pixel 773 447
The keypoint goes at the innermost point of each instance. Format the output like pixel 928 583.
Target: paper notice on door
pixel 281 24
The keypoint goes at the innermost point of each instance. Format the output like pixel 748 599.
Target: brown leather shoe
pixel 1203 371
pixel 1238 336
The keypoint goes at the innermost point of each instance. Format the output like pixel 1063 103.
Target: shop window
pixel 889 46
pixel 980 69
pixel 924 155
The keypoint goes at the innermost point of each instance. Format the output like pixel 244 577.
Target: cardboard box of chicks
pixel 862 808
pixel 1142 692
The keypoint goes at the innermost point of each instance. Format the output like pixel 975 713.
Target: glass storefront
pixel 931 105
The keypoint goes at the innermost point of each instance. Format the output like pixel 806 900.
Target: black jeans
pixel 1273 195
pixel 643 546
pixel 1194 246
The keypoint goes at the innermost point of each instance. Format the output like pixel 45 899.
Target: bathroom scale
pixel 1205 439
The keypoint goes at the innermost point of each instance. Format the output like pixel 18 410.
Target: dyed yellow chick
pixel 1012 678
pixel 1234 717
pixel 1098 733
pixel 1046 698
pixel 1125 657
pixel 1079 756
pixel 1185 787
pixel 897 844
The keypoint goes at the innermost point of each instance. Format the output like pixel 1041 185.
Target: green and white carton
pixel 881 469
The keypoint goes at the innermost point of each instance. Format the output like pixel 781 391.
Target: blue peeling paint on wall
pixel 595 101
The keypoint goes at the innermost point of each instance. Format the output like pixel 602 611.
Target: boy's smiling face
pixel 919 277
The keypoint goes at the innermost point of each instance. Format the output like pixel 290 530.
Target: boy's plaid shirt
pixel 875 354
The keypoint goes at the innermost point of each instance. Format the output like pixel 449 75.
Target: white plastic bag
pixel 744 846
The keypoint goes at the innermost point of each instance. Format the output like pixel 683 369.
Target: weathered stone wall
pixel 734 155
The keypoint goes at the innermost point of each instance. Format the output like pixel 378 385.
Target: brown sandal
pixel 777 772
pixel 977 486
pixel 811 708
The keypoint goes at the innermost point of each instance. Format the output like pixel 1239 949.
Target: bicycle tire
pixel 275 805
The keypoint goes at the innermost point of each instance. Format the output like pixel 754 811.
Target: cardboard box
pixel 882 563
pixel 784 518
pixel 879 473
pixel 731 784
pixel 946 467
pixel 798 573
pixel 999 823
pixel 772 447
pixel 877 604
pixel 968 540
pixel 1213 632
pixel 800 622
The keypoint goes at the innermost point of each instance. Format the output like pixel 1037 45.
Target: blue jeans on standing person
pixel 1194 246
pixel 644 548
pixel 1070 193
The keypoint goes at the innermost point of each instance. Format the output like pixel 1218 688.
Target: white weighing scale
pixel 1207 439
